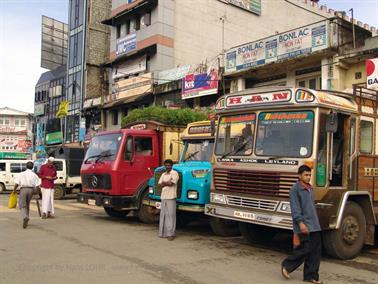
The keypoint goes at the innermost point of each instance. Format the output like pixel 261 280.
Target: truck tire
pixel 2 187
pixel 112 212
pixel 147 214
pixel 256 233
pixel 347 241
pixel 58 192
pixel 224 227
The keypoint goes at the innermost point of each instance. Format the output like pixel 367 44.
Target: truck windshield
pixel 104 147
pixel 235 135
pixel 285 134
pixel 200 150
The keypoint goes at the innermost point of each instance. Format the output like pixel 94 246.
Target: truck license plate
pixel 244 215
pixel 158 205
pixel 91 202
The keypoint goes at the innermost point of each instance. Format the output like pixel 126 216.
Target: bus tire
pixel 112 212
pixel 256 233
pixel 2 187
pixel 347 241
pixel 147 214
pixel 58 192
pixel 224 227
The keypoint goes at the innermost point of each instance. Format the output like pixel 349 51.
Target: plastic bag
pixel 12 202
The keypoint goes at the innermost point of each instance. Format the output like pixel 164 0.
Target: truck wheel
pixel 58 192
pixel 256 233
pixel 224 227
pixel 2 187
pixel 147 214
pixel 347 241
pixel 112 212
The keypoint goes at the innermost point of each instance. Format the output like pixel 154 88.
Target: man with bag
pixel 26 182
pixel 47 173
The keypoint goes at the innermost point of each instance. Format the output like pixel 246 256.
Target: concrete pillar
pixel 237 84
pixel 326 80
pixel 290 78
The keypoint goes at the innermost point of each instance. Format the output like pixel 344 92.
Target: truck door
pixel 141 157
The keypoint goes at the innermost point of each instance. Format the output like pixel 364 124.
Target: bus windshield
pixel 285 134
pixel 198 150
pixel 235 135
pixel 103 147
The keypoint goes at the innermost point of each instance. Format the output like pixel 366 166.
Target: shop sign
pixel 126 44
pixel 39 109
pixel 14 155
pixel 174 74
pixel 141 126
pixel 256 99
pixel 197 85
pixel 253 6
pixel 130 67
pixel 54 138
pixel 133 86
pixel 372 73
pixel 283 46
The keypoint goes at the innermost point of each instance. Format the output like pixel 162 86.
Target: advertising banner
pixel 174 74
pixel 372 73
pixel 39 109
pixel 126 44
pixel 253 6
pixel 131 87
pixel 54 138
pixel 283 46
pixel 197 85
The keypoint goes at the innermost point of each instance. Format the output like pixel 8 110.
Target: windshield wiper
pixel 191 155
pixel 99 156
pixel 103 156
pixel 233 151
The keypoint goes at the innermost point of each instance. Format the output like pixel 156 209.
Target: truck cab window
pixel 129 149
pixel 143 146
pixel 2 167
pixel 366 129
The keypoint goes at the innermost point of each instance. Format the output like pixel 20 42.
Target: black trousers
pixel 308 252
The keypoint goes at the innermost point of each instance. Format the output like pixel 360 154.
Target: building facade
pixel 16 134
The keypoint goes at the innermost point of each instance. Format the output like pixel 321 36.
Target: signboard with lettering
pixel 174 74
pixel 39 109
pixel 126 44
pixel 372 73
pixel 283 46
pixel 132 87
pixel 198 85
pixel 256 99
pixel 200 129
pixel 253 6
pixel 129 67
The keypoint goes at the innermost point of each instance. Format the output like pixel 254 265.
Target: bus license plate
pixel 158 205
pixel 244 215
pixel 91 202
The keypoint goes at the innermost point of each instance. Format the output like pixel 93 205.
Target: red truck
pixel 118 165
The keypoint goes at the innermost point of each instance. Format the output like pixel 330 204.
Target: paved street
pixel 84 245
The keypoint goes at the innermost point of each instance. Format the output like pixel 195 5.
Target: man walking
pixel 26 182
pixel 307 245
pixel 47 173
pixel 168 182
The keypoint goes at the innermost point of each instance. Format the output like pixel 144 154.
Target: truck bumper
pixel 128 202
pixel 180 206
pixel 244 215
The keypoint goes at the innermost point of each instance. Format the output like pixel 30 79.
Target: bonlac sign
pixel 255 99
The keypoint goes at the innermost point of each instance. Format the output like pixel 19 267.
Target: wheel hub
pixel 351 230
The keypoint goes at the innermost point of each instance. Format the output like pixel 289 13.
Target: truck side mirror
pixel 129 149
pixel 212 126
pixel 332 123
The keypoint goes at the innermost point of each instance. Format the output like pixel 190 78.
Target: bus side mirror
pixel 332 123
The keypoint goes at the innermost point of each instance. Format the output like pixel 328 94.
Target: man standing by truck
pixel 168 182
pixel 307 239
pixel 47 173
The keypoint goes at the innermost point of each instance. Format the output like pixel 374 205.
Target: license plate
pixel 158 205
pixel 244 215
pixel 91 202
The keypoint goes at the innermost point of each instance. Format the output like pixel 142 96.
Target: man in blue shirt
pixel 307 249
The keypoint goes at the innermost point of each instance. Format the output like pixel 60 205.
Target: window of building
pixel 118 31
pixel 23 122
pixel 313 82
pixel 1 121
pixel 6 122
pixel 366 128
pixel 16 122
pixel 115 117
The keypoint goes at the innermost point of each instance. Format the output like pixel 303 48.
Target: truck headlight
pixel 151 190
pixel 199 173
pixel 284 207
pixel 106 201
pixel 217 198
pixel 192 194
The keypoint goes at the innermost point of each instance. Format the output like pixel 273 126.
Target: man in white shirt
pixel 27 182
pixel 168 182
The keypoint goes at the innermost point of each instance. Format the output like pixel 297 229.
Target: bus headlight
pixel 284 207
pixel 199 173
pixel 217 198
pixel 150 190
pixel 192 194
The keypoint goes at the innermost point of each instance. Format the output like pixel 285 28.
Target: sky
pixel 20 42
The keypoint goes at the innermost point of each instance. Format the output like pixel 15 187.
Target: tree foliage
pixel 164 115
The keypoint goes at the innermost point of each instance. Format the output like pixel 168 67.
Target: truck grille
pixel 255 182
pixel 93 181
pixel 268 205
pixel 158 188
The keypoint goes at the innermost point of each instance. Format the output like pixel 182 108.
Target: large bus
pixel 265 134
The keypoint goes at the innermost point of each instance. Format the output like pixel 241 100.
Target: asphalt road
pixel 84 245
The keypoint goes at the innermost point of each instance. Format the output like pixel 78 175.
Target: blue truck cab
pixel 194 169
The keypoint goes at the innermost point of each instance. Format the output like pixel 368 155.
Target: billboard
pixel 294 43
pixel 372 73
pixel 198 85
pixel 54 43
pixel 253 6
